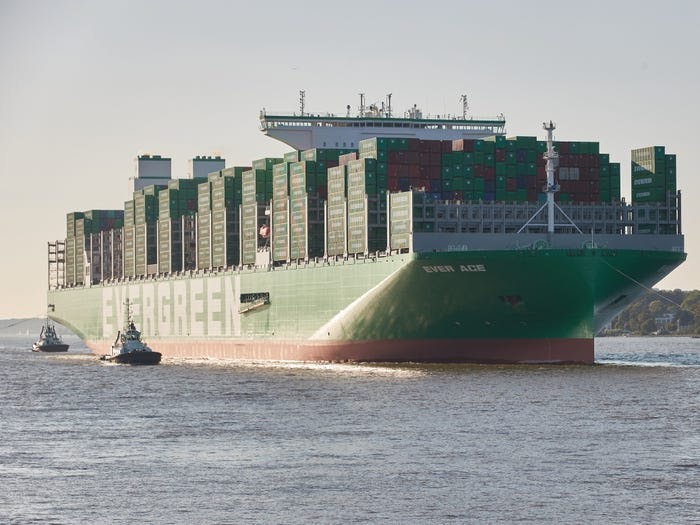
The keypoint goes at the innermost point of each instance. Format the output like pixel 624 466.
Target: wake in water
pixel 350 369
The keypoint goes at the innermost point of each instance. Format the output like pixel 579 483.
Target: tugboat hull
pixel 134 358
pixel 50 348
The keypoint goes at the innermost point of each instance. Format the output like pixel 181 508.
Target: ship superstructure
pixel 480 249
pixel 303 130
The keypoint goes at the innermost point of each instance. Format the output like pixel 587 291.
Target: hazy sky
pixel 85 86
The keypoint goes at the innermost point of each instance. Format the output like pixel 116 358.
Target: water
pixel 217 442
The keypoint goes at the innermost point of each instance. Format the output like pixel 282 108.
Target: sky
pixel 86 86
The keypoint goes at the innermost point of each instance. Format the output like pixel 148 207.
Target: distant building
pixel 664 319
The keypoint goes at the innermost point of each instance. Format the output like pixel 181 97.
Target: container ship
pixel 377 237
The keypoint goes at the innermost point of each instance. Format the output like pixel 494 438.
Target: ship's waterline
pixel 519 351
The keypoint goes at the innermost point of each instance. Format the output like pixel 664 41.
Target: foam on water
pixel 352 369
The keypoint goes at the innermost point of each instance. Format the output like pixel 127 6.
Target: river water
pixel 188 441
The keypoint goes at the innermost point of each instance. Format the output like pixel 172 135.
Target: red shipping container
pixel 412 157
pixel 531 194
pixel 478 171
pixel 414 170
pixel 424 146
pixel 393 157
pixel 392 170
pixel 500 155
pixel 393 184
pixel 435 146
pixel 511 184
pixel 446 146
pixel 489 172
pixel 436 158
pixel 413 144
pixel 563 148
pixel 435 172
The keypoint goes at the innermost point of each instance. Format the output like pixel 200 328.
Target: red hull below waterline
pixel 506 351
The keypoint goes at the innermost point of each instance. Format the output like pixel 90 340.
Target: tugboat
pixel 49 341
pixel 129 349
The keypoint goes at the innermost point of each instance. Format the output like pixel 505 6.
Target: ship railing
pixel 501 217
pixel 268 115
pixel 428 122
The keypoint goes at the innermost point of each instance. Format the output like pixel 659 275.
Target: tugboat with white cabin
pixel 128 348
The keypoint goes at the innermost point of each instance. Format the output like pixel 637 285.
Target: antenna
pixel 551 188
pixel 302 101
pixel 388 105
pixel 362 104
pixel 465 106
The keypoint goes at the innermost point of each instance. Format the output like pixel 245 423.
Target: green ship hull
pixel 497 306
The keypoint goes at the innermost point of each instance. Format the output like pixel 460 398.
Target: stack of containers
pixel 516 176
pixel 400 219
pixel 653 174
pixel 366 208
pixel 337 218
pixel 297 228
pixel 306 236
pixel 96 228
pixel 280 209
pixel 263 172
pixel 401 163
pixel 176 236
pixel 145 231
pixel 324 159
pixel 221 225
pixel 128 255
pixel 80 229
pixel 257 190
pixel 204 223
pixel 72 273
pixel 221 191
pixel 513 170
pixel 469 171
pixel 579 171
pixel 609 178
pixel 71 219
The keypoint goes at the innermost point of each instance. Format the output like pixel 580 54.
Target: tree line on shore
pixel 670 312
